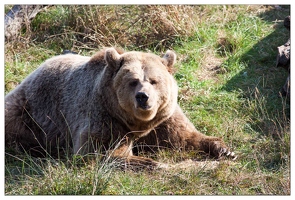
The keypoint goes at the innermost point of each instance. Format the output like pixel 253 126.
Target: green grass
pixel 228 86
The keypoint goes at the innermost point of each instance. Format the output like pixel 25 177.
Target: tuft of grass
pixel 228 87
pixel 73 176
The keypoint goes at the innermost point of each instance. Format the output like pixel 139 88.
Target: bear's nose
pixel 141 98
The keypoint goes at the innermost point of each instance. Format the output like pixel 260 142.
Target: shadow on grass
pixel 261 80
pixel 260 83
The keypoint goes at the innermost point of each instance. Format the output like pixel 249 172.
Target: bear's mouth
pixel 144 112
pixel 144 107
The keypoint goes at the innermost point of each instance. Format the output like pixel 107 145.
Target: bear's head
pixel 143 85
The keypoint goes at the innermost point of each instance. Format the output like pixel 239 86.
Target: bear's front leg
pixel 120 153
pixel 179 133
pixel 189 138
pixel 123 154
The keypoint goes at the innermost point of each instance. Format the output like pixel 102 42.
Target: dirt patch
pixel 190 164
pixel 210 67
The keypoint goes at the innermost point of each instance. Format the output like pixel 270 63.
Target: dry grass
pixel 146 25
pixel 88 27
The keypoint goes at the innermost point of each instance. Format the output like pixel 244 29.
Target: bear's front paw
pixel 226 152
pixel 218 149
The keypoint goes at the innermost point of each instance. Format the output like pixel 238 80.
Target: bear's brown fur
pixel 106 102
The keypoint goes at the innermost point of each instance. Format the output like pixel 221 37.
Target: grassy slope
pixel 228 87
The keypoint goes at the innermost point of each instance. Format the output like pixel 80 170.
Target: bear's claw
pixel 218 149
pixel 227 153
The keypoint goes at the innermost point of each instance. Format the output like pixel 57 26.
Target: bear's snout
pixel 142 98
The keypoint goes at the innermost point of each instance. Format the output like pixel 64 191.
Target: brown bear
pixel 104 103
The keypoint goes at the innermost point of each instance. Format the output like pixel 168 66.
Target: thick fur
pixel 93 103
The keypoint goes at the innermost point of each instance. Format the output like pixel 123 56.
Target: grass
pixel 228 86
pixel 74 177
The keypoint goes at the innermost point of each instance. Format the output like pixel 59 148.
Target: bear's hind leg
pixel 21 131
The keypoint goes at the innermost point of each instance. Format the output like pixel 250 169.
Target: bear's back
pixel 58 91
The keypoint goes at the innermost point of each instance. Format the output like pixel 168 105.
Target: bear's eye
pixel 153 82
pixel 133 83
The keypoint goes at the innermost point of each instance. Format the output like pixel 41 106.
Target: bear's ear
pixel 169 60
pixel 112 57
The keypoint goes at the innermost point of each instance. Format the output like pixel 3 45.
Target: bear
pixel 105 103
